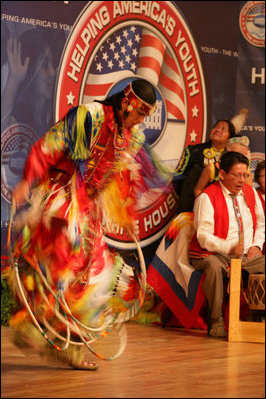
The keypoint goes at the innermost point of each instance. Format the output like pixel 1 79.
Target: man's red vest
pixel 221 216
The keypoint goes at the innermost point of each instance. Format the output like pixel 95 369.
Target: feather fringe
pixel 75 132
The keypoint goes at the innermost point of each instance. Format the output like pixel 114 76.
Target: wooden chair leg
pixel 208 318
pixel 241 331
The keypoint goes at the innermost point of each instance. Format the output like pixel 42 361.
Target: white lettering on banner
pixel 149 221
pixel 247 128
pixel 155 218
pixel 35 22
pixel 185 56
pixel 259 128
pixel 10 18
pixel 171 201
pixel 38 22
pixel 257 74
pixel 227 52
pixel 211 50
pixel 114 228
pixel 151 9
pixel 65 27
pixel 250 128
pixel 101 19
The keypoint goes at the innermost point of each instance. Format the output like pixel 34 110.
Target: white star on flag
pixel 99 67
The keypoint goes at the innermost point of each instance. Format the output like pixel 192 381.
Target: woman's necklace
pixel 218 153
pixel 212 155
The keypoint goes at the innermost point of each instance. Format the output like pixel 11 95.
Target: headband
pixel 137 102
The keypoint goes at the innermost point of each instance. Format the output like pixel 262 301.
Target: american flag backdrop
pixel 135 50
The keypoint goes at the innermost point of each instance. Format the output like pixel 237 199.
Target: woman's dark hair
pixel 258 169
pixel 231 127
pixel 230 158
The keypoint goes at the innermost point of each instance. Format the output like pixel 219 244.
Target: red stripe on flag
pixel 172 85
pixel 96 90
pixel 170 62
pixel 152 41
pixel 174 110
pixel 151 63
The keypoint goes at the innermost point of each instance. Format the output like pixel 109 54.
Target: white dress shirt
pixel 204 224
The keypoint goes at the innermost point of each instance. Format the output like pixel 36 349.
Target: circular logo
pixel 252 22
pixel 112 43
pixel 16 142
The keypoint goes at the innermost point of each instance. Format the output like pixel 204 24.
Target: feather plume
pixel 239 119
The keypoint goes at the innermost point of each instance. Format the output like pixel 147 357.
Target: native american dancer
pixel 72 287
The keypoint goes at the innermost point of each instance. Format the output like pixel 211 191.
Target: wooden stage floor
pixel 157 363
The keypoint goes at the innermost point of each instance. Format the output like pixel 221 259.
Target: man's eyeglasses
pixel 239 176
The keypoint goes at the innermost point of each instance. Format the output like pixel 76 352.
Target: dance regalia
pixel 82 170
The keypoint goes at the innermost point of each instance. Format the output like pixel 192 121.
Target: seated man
pixel 211 172
pixel 229 223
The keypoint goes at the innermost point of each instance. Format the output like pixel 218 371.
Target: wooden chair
pixel 241 331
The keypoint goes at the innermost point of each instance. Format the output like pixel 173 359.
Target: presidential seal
pixel 252 22
pixel 111 44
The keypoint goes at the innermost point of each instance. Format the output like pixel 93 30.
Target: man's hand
pixel 252 252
